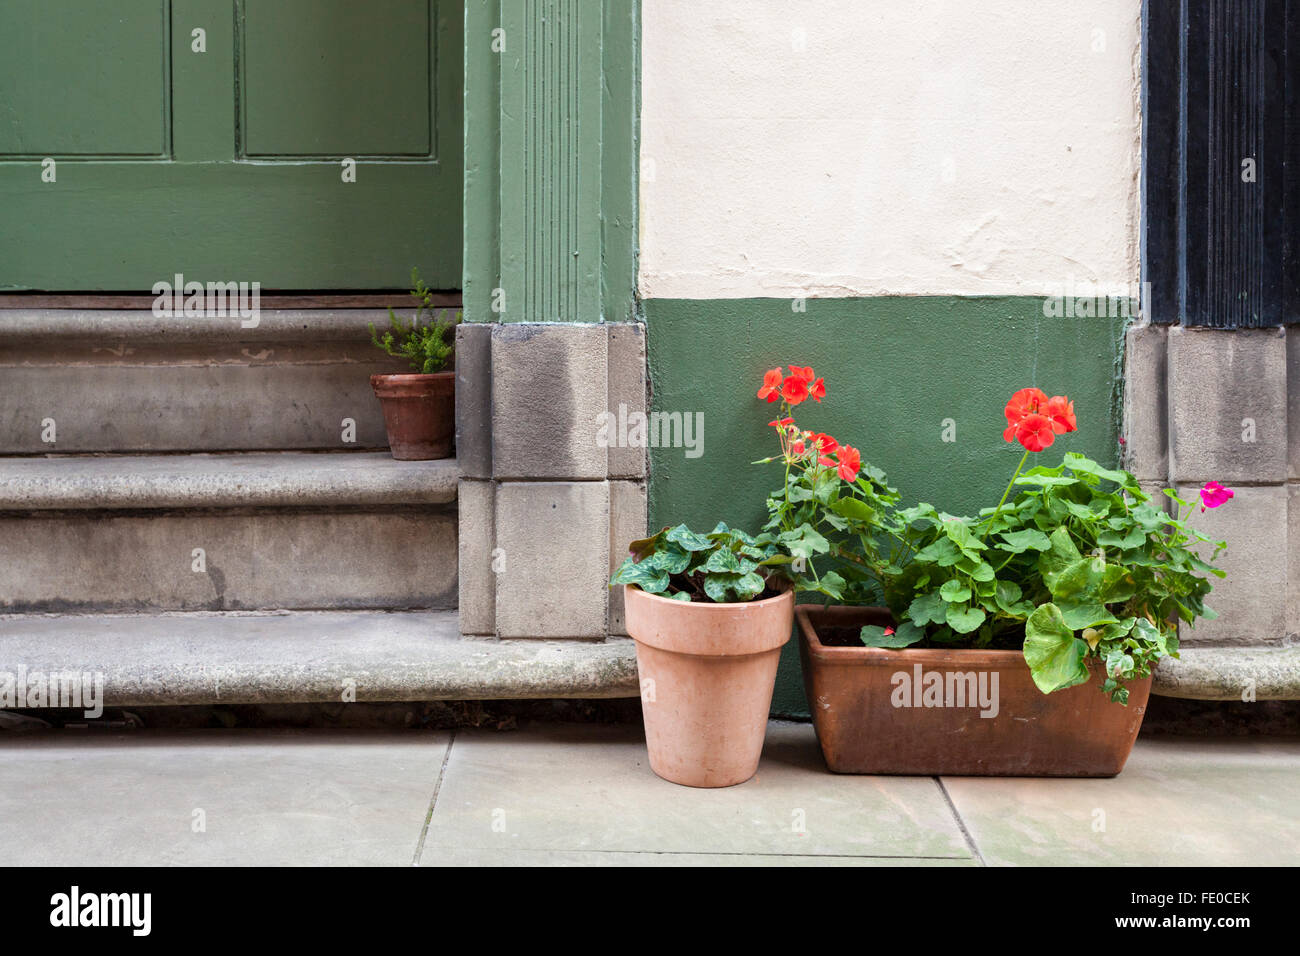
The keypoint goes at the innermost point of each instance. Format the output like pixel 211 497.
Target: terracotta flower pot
pixel 419 413
pixel 707 674
pixel 879 710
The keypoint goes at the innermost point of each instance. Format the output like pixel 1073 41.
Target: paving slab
pixel 265 798
pixel 589 789
pixel 1180 801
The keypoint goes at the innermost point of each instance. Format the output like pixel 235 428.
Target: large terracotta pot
pixel 707 672
pixel 419 413
pixel 872 714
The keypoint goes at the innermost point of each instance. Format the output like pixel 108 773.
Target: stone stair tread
pixel 1223 673
pixel 307 656
pixel 237 480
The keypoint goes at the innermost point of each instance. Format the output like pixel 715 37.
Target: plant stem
pixel 998 510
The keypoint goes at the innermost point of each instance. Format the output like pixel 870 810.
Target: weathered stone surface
pixel 1293 402
pixel 1227 405
pixel 627 522
pixel 476 507
pixel 627 395
pixel 1230 673
pixel 1146 450
pixel 302 656
pixel 554 558
pixel 549 389
pixel 474 399
pixel 1251 600
pixel 1293 561
pixel 132 382
pixel 303 558
pixel 223 481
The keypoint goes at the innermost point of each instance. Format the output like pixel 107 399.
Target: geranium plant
pixel 1076 565
pixel 831 508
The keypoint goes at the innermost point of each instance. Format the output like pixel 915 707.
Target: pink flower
pixel 1214 494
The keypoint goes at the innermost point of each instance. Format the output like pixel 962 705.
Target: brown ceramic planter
pixel 419 413
pixel 863 726
pixel 707 673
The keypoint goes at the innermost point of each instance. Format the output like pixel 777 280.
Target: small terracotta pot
pixel 871 720
pixel 419 413
pixel 707 673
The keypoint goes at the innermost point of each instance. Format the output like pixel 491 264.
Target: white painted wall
pixel 877 147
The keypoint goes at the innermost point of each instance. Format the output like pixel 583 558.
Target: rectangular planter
pixel 878 710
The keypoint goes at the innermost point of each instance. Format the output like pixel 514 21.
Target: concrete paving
pixel 583 795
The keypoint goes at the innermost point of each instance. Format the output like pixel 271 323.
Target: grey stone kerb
pixel 1216 404
pixel 546 502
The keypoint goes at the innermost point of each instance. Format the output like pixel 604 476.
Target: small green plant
pixel 428 342
pixel 724 566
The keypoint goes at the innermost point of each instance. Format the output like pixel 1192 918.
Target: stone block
pixel 549 393
pixel 1146 449
pixel 627 394
pixel 1252 599
pixel 1227 405
pixel 553 559
pixel 627 522
pixel 474 399
pixel 477 516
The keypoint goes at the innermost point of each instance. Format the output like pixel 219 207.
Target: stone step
pixel 129 381
pixel 304 657
pixel 1230 673
pixel 226 532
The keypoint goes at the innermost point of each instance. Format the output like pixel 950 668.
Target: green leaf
pixel 942 552
pixel 1045 480
pixel 749 586
pixel 717 585
pixel 674 561
pixel 954 591
pixel 1054 655
pixel 928 609
pixel 832 585
pixel 983 572
pixel 722 561
pixel 688 539
pixel 855 510
pixel 1077 592
pixel 961 536
pixel 643 574
pixel 963 620
pixel 680 596
pixel 1029 539
pixel 804 541
pixel 1081 464
pixel 906 635
pixel 1060 556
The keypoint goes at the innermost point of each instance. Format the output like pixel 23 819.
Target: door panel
pixel 245 182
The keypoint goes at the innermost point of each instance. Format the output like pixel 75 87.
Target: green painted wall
pixel 895 368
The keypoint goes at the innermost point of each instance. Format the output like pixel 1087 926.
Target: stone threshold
pixel 234 480
pixel 1226 673
pixel 307 657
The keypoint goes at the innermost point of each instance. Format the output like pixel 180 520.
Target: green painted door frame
pixel 551 103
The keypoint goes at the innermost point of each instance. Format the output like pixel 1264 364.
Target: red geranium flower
pixel 1027 401
pixel 795 389
pixel 1061 411
pixel 1035 432
pixel 826 446
pixel 850 460
pixel 805 372
pixel 817 390
pixel 771 385
pixel 781 422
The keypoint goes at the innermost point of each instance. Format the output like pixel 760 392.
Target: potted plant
pixel 709 614
pixel 998 631
pixel 419 407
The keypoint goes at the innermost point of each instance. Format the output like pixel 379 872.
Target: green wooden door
pixel 144 138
